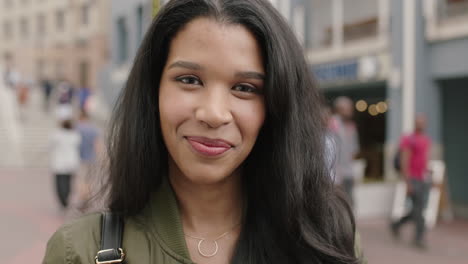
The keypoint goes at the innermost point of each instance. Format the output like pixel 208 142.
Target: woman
pixel 65 158
pixel 216 148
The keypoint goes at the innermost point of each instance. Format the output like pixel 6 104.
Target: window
pixel 139 23
pixel 84 74
pixel 41 25
pixel 358 22
pixel 8 3
pixel 60 20
pixel 59 70
pixel 24 27
pixel 453 8
pixel 122 35
pixel 7 30
pixel 40 68
pixel 344 22
pixel 85 14
pixel 321 23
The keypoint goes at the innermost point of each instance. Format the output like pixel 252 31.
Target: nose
pixel 214 110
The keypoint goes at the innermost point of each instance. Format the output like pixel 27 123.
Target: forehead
pixel 207 41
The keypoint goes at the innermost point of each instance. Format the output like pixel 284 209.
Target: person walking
pixel 347 141
pixel 47 88
pixel 65 158
pixel 414 157
pixel 65 94
pixel 88 153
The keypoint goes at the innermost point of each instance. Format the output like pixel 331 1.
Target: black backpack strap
pixel 111 239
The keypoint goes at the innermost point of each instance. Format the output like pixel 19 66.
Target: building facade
pixel 396 59
pixel 55 39
pixel 129 20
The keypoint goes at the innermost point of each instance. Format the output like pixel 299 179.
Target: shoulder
pixel 75 242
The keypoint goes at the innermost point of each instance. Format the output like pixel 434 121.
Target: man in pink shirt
pixel 414 157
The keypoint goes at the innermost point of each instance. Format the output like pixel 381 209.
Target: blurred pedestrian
pixel 23 90
pixel 83 94
pixel 347 144
pixel 414 157
pixel 47 88
pixel 9 113
pixel 88 153
pixel 330 141
pixel 10 76
pixel 65 159
pixel 65 95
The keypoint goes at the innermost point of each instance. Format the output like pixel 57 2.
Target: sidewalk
pixel 29 214
pixel 447 244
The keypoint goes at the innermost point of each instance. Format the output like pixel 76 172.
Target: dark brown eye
pixel 190 80
pixel 246 88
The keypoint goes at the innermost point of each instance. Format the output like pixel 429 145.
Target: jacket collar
pixel 164 218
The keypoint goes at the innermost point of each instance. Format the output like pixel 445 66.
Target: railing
pixel 449 9
pixel 358 30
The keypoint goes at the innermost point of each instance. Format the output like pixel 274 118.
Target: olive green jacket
pixel 153 236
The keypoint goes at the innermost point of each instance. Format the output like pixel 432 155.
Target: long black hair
pixel 293 214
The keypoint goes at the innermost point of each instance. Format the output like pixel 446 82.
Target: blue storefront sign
pixel 336 72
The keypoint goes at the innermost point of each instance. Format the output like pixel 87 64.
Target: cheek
pixel 174 108
pixel 251 116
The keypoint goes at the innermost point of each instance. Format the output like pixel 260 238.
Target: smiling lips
pixel 209 147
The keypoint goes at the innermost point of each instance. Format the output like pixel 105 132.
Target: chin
pixel 207 175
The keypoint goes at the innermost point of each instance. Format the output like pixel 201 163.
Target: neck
pixel 208 210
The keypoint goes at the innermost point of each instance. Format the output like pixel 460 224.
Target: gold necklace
pixel 215 242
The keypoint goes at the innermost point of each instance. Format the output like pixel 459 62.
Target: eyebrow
pixel 250 75
pixel 198 67
pixel 186 65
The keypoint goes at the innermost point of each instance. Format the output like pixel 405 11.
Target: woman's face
pixel 211 99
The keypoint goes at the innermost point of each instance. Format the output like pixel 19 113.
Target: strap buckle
pixel 112 261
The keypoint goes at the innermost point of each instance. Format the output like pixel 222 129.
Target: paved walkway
pixel 447 244
pixel 29 214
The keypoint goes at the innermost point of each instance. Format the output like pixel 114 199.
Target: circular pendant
pixel 204 254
